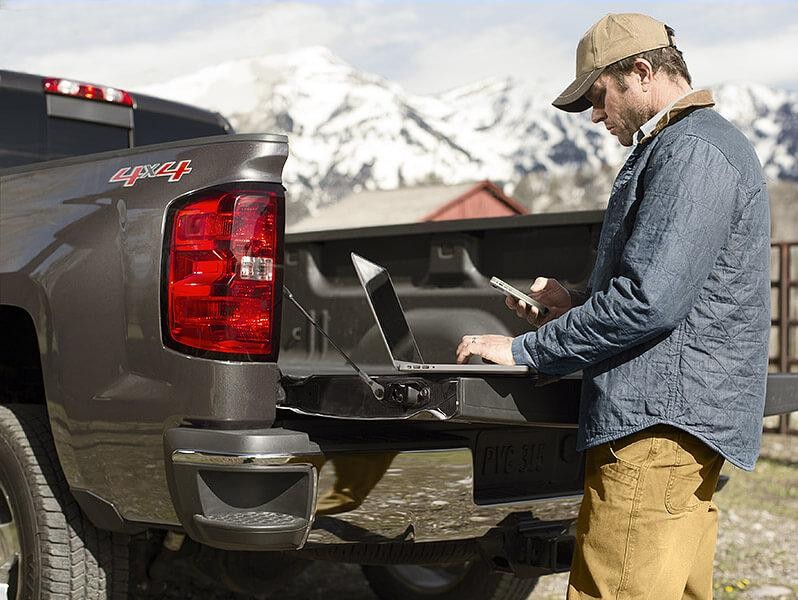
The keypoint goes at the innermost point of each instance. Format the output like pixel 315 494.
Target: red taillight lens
pixel 87 91
pixel 223 283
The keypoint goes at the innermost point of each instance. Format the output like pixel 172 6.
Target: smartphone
pixel 508 290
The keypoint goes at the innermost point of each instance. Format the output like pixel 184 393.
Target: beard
pixel 631 118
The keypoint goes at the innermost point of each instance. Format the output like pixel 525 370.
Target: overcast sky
pixel 426 47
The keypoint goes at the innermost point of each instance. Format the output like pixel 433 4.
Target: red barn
pixel 413 205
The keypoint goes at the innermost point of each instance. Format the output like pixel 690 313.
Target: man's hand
pixel 493 348
pixel 548 292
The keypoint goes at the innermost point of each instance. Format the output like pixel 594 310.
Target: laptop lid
pixel 387 311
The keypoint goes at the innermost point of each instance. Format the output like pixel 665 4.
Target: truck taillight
pixel 87 91
pixel 224 278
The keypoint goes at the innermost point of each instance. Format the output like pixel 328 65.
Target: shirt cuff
pixel 524 352
pixel 578 297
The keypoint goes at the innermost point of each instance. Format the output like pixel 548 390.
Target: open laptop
pixel 395 330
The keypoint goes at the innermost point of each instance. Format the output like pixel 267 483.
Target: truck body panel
pixel 83 257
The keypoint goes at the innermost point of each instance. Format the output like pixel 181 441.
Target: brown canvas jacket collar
pixel 697 99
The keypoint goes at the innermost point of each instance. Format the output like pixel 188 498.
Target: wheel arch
pixel 20 358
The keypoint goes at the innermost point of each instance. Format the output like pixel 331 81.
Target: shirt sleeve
pixel 578 297
pixel 683 219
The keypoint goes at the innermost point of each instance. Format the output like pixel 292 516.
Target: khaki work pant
pixel 647 525
pixel 355 477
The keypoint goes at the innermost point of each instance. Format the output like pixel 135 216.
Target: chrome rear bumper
pixel 420 496
pixel 220 483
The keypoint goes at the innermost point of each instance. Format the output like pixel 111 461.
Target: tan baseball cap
pixel 613 38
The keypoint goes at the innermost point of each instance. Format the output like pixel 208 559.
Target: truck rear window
pixel 154 128
pixel 36 126
pixel 21 127
pixel 67 137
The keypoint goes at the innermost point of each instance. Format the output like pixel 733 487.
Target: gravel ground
pixel 756 554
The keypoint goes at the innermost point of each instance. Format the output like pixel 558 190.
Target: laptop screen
pixel 388 311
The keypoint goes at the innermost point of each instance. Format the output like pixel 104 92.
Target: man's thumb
pixel 539 284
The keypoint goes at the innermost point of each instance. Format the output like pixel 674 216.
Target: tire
pixel 59 554
pixel 473 580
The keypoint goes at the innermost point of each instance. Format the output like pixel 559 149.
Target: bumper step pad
pixel 255 519
pixel 243 489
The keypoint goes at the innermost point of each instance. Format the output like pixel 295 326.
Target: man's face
pixel 621 111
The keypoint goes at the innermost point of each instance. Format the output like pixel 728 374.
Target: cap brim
pixel 573 98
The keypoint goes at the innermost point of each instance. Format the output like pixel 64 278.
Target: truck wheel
pixel 467 581
pixel 48 549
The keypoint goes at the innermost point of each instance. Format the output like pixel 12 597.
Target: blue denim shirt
pixel 675 326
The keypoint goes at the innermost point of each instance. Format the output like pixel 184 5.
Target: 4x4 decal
pixel 130 175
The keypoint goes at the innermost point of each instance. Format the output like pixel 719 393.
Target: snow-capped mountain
pixel 351 130
pixel 769 117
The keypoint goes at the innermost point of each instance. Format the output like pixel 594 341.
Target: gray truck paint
pixel 83 258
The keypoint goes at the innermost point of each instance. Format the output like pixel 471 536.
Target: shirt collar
pixel 675 111
pixel 647 127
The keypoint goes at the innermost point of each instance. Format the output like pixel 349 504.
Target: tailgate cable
pixel 376 388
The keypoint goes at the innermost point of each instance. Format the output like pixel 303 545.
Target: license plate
pixel 513 465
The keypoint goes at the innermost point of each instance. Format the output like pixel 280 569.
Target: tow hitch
pixel 531 548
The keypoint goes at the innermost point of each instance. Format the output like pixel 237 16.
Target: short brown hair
pixel 669 59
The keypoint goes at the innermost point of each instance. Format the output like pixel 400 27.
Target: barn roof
pixel 402 205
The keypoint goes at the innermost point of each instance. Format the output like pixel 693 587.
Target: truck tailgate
pixel 510 400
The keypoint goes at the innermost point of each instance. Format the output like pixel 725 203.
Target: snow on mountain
pixel 352 130
pixel 769 118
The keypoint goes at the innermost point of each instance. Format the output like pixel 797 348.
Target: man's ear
pixel 644 71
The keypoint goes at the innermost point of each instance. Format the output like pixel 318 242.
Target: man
pixel 672 334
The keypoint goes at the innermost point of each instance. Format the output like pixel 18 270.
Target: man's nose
pixel 598 115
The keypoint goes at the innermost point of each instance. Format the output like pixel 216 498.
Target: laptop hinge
pixel 376 388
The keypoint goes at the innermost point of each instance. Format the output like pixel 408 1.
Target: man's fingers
pixel 509 302
pixel 462 356
pixel 466 348
pixel 492 348
pixel 461 349
pixel 530 313
pixel 521 309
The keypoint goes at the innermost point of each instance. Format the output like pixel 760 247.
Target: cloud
pixel 771 62
pixel 425 46
pixel 536 42
pixel 500 51
pixel 132 45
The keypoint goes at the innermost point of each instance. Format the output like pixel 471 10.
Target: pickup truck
pixel 163 409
